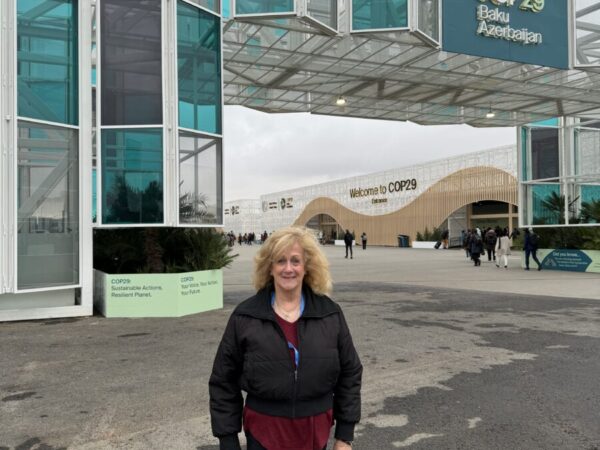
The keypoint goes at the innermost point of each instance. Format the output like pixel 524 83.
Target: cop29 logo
pixel 535 6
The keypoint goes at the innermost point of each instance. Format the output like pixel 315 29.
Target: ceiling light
pixel 490 114
pixel 341 101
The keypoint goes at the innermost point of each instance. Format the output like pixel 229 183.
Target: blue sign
pixel 569 260
pixel 526 31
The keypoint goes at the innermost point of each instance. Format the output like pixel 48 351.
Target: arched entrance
pixel 327 227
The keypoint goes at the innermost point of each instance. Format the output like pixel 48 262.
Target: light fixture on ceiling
pixel 490 114
pixel 341 101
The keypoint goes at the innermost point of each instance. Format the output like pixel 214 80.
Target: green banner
pixel 158 295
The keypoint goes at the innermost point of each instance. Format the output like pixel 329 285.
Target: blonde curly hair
pixel 316 266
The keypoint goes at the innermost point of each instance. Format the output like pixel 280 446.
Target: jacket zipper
pixel 296 368
pixel 287 354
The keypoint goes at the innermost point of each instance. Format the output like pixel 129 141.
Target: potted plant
pixel 159 272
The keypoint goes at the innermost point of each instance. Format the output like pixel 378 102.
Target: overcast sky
pixel 267 153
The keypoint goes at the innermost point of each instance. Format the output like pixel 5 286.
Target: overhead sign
pixel 526 31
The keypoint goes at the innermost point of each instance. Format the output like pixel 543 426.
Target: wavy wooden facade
pixel 429 210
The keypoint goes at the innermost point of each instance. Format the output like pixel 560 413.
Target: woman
pixel 503 249
pixel 289 348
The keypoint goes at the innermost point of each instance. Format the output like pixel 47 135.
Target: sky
pixel 267 153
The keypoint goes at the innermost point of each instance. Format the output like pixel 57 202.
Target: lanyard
pixel 289 344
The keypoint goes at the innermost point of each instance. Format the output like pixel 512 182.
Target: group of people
pixel 246 238
pixel 497 243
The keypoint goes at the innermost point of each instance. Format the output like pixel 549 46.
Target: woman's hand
pixel 341 445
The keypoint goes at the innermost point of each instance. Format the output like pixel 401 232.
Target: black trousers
pixel 349 247
pixel 533 254
pixel 253 444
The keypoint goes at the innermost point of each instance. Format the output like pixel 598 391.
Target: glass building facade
pixel 48 219
pixel 560 170
pixel 141 129
pixel 122 130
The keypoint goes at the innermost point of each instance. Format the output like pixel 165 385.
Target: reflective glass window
pixel 48 206
pixel 47 60
pixel 547 204
pixel 199 180
pixel 325 11
pixel 590 203
pixel 131 63
pixel 213 5
pixel 132 176
pixel 587 32
pixel 226 9
pixel 199 69
pixel 544 153
pixel 429 18
pixel 263 6
pixel 379 14
pixel 524 172
pixel 587 152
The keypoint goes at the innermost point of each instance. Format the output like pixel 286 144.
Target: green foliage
pixel 122 196
pixel 435 235
pixel 581 238
pixel 590 211
pixel 159 250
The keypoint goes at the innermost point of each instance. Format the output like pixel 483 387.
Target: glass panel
pixel 199 180
pixel 587 29
pixel 587 152
pixel 132 176
pixel 213 5
pixel 325 11
pixel 226 9
pixel 199 69
pixel 48 203
pixel 379 14
pixel 131 75
pixel 524 154
pixel 264 6
pixel 489 207
pixel 47 60
pixel 429 18
pixel 544 153
pixel 590 203
pixel 548 205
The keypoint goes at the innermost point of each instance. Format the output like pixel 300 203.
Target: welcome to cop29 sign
pixel 527 31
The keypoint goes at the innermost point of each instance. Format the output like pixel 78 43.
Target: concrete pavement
pixel 497 363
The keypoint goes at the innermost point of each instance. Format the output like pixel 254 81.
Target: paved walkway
pixel 498 364
pixel 435 268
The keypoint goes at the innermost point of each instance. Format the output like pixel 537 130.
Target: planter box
pixel 423 244
pixel 341 243
pixel 158 295
pixel 565 259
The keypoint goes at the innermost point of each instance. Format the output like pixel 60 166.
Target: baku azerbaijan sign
pixel 527 31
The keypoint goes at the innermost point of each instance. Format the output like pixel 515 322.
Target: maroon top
pixel 305 433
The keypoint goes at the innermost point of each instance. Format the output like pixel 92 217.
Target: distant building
pixel 475 189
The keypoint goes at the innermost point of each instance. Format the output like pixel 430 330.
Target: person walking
pixel 445 235
pixel 530 247
pixel 289 348
pixel 348 241
pixel 503 249
pixel 490 243
pixel 363 238
pixel 476 249
pixel 467 243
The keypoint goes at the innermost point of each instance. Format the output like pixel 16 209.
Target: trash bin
pixel 403 240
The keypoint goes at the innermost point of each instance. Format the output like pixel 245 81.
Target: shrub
pixel 160 250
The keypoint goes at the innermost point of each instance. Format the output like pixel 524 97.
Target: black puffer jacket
pixel 253 356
